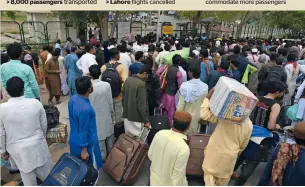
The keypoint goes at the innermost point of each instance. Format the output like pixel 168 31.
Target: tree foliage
pixel 292 22
pixel 96 18
pixel 219 16
pixel 10 14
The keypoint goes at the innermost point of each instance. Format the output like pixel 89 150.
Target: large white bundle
pixel 232 100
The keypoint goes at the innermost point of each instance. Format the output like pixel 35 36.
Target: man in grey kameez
pixel 101 100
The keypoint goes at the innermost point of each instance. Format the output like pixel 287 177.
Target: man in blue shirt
pixel 207 66
pixel 58 46
pixel 135 67
pixel 15 68
pixel 72 69
pixel 234 72
pixel 83 134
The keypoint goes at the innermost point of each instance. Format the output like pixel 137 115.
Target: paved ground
pixel 58 149
pixel 45 95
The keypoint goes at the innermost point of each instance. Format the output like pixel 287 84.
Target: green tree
pixel 219 16
pixel 98 18
pixel 292 22
pixel 10 14
pixel 244 17
pixel 78 18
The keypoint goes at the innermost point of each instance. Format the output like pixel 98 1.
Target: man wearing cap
pixel 293 171
pixel 135 105
pixel 255 55
pixel 169 153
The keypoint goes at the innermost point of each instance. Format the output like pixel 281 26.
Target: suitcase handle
pixel 161 111
pixel 206 129
pixel 148 130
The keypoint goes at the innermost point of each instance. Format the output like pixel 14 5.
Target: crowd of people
pixel 112 83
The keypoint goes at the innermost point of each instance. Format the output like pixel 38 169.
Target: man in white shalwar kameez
pixel 101 100
pixel 23 127
pixel 63 76
pixel 87 60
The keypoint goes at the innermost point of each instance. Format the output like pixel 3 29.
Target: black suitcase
pixel 158 122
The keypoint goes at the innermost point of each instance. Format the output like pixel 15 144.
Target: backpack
pixel 111 75
pixel 52 114
pixel 273 74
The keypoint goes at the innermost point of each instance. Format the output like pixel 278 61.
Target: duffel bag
pixel 58 134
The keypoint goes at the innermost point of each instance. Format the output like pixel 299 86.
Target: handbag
pixel 64 89
pixel 292 112
pixel 163 78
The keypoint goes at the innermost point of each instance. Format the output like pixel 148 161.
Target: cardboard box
pixel 232 100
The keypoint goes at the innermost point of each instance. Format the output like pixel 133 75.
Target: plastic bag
pixel 9 164
pixel 65 89
pixel 292 112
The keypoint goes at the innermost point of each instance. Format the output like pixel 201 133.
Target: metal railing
pixel 47 33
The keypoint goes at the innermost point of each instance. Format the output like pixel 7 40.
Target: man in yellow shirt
pixel 226 143
pixel 122 71
pixel 169 153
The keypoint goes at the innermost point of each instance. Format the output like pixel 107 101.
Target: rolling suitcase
pixel 158 122
pixel 126 159
pixel 70 171
pixel 197 144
